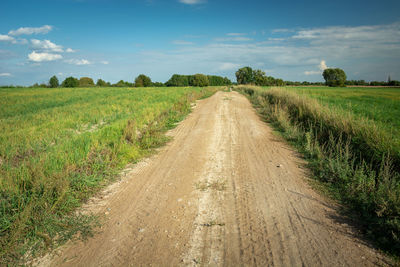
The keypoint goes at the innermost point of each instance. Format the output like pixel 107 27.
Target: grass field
pixel 58 146
pixel 381 105
pixel 350 137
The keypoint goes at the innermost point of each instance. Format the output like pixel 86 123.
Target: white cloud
pixel 6 38
pixel 78 61
pixel 5 74
pixel 228 66
pixel 31 30
pixel 39 57
pixel 105 62
pixel 322 66
pixel 46 45
pixel 192 2
pixel 70 50
pixel 181 42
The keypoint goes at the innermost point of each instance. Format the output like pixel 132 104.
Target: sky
pixel 120 39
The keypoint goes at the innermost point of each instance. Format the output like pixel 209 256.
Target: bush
pixel 70 82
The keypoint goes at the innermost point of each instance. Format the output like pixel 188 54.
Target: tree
pixel 245 75
pixel 53 82
pixel 86 82
pixel 100 82
pixel 178 80
pixel 158 84
pixel 143 81
pixel 334 77
pixel 200 80
pixel 70 82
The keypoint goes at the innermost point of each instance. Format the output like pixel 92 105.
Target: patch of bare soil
pixel 225 191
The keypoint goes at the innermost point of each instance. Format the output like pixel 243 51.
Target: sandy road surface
pixel 225 191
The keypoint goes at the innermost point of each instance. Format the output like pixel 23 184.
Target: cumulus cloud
pixel 70 50
pixel 5 74
pixel 6 38
pixel 31 30
pixel 192 2
pixel 105 62
pixel 46 45
pixel 78 62
pixel 39 57
pixel 322 66
pixel 181 42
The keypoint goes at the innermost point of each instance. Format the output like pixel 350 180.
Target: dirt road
pixel 225 191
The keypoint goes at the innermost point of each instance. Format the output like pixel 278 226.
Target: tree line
pixel 142 80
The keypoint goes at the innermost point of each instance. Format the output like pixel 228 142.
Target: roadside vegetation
pixel 58 146
pixel 357 156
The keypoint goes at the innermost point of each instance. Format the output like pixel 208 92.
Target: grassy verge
pixel 357 160
pixel 59 146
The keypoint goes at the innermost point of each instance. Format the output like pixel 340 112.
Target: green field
pixel 58 146
pixel 381 105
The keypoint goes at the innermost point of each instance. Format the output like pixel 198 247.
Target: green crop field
pixel 58 146
pixel 381 105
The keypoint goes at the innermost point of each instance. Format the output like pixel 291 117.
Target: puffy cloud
pixel 78 61
pixel 105 62
pixel 70 50
pixel 46 45
pixel 192 2
pixel 6 38
pixel 31 30
pixel 322 66
pixel 39 57
pixel 5 74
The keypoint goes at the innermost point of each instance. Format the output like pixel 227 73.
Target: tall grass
pixel 59 146
pixel 356 158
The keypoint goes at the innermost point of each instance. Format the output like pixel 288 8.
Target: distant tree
pixel 53 82
pixel 70 82
pixel 245 75
pixel 334 77
pixel 200 80
pixel 86 82
pixel 178 80
pixel 158 84
pixel 143 81
pixel 100 82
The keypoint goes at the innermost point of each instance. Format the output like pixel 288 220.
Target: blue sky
pixel 120 39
